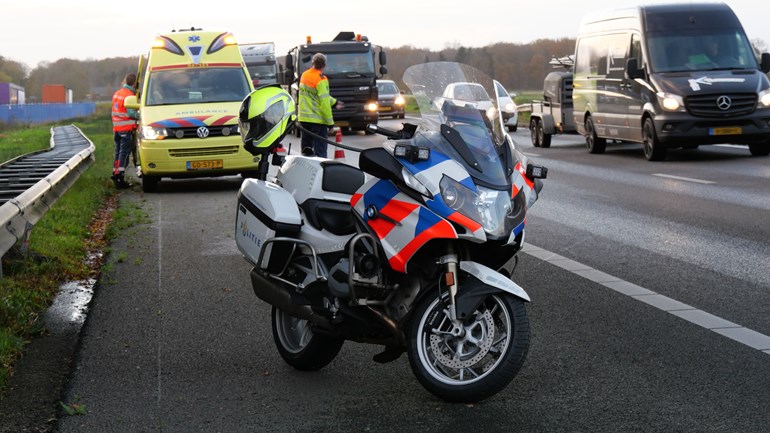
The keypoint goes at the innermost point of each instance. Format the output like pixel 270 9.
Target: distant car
pixel 508 107
pixel 390 101
pixel 462 93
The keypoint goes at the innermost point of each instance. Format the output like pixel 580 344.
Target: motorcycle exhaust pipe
pixel 279 297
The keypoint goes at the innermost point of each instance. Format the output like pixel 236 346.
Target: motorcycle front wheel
pixel 478 364
pixel 299 346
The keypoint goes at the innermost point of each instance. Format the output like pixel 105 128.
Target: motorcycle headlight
pixel 487 207
pixel 764 98
pixel 670 102
pixel 150 133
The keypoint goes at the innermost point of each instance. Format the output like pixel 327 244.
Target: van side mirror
pixel 131 102
pixel 633 71
pixel 765 65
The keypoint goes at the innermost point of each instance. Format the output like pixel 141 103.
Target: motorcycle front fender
pixel 481 282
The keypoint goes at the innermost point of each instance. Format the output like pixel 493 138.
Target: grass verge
pixel 58 243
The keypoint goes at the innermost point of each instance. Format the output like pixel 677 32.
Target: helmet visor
pixel 259 127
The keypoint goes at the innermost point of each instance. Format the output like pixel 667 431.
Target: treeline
pixel 90 80
pixel 517 66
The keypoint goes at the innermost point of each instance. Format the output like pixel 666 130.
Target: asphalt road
pixel 650 305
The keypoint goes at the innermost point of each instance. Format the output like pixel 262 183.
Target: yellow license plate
pixel 342 123
pixel 725 131
pixel 384 108
pixel 210 164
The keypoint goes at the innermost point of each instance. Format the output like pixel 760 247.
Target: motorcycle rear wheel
pixel 478 365
pixel 299 346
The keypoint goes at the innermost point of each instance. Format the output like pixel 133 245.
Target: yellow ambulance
pixel 190 87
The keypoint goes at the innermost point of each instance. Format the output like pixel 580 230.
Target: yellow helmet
pixel 264 118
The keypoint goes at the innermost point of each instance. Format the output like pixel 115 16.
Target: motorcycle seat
pixel 341 178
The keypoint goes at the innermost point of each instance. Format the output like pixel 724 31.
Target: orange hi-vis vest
pixel 315 102
pixel 121 121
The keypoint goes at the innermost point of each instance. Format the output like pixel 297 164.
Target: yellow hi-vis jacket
pixel 315 102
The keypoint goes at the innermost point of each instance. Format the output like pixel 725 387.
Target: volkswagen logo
pixel 724 103
pixel 202 132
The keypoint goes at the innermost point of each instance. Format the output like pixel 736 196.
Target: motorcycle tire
pixel 299 346
pixel 478 365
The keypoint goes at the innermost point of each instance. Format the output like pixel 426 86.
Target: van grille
pixel 740 104
pixel 192 131
pixel 203 151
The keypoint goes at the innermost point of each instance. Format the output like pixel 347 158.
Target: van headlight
pixel 764 98
pixel 399 100
pixel 670 102
pixel 150 133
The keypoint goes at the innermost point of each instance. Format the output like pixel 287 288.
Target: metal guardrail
pixel 50 173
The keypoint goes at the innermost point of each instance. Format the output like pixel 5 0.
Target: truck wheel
pixel 759 149
pixel 653 149
pixel 594 143
pixel 534 126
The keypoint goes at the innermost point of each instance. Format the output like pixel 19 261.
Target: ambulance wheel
pixel 150 183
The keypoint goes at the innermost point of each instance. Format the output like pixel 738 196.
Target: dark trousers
pixel 124 145
pixel 317 145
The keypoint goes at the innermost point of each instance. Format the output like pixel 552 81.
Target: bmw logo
pixel 202 132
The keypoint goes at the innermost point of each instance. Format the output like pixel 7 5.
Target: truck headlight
pixel 671 102
pixel 150 133
pixel 372 106
pixel 764 98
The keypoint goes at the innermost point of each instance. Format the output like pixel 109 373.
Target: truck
pixel 260 61
pixel 56 94
pixel 351 68
pixel 553 114
pixel 11 94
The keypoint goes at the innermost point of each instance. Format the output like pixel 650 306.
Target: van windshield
pixel 196 86
pixel 700 51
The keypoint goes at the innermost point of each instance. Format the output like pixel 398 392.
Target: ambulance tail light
pixel 167 44
pixel 222 41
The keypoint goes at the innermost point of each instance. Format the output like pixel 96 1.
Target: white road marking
pixel 686 179
pixel 723 327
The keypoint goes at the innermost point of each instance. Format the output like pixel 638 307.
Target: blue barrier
pixel 44 113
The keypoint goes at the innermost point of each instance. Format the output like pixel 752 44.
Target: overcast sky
pixel 34 31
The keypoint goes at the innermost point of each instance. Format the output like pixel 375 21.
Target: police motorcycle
pixel 411 251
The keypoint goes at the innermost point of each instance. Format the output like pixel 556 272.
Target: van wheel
pixel 534 127
pixel 653 149
pixel 594 143
pixel 759 149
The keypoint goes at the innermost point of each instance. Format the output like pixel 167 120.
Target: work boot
pixel 120 181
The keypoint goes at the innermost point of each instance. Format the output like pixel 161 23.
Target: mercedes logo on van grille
pixel 203 132
pixel 724 103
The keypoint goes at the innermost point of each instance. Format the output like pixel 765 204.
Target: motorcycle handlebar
pixel 383 131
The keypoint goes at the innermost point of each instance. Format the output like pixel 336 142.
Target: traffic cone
pixel 338 152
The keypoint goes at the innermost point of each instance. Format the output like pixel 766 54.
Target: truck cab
pixel 260 61
pixel 351 67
